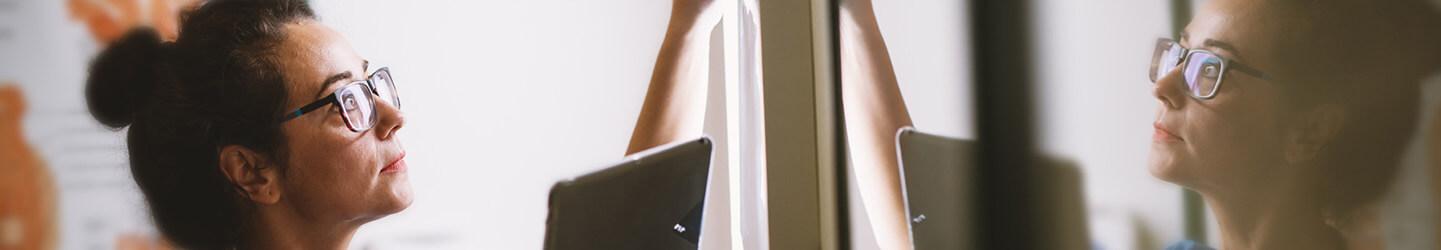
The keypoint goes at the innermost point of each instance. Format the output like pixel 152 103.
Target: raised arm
pixel 874 111
pixel 674 107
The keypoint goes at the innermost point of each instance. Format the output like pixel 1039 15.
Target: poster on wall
pixel 65 184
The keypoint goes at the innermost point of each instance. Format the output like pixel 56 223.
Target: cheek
pixel 343 155
pixel 332 167
pixel 1235 139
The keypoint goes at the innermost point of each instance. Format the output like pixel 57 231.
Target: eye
pixel 1211 70
pixel 350 103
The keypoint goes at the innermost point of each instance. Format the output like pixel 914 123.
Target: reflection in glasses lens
pixel 1203 73
pixel 385 87
pixel 1203 70
pixel 357 107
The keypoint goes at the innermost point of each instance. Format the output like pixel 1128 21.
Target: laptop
pixel 652 200
pixel 937 183
pixel 935 173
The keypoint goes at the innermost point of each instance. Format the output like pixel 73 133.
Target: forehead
pixel 312 52
pixel 1242 24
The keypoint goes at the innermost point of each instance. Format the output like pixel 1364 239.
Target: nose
pixel 1170 90
pixel 391 120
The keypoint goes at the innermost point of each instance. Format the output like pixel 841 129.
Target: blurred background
pixel 504 98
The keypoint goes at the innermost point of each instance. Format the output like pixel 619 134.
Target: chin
pixel 399 197
pixel 1164 165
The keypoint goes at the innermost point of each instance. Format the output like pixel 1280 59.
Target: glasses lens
pixel 356 105
pixel 385 87
pixel 1167 56
pixel 1156 58
pixel 1203 73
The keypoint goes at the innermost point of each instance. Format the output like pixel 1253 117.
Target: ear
pixel 249 171
pixel 1312 131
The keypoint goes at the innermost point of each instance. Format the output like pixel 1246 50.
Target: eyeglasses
pixel 1203 70
pixel 355 100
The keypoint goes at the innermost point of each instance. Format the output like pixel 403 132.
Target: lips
pixel 395 166
pixel 1163 135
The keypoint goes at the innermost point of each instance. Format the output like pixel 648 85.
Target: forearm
pixel 874 111
pixel 868 79
pixel 674 106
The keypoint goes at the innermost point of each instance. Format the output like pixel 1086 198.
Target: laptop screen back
pixel 653 200
pixel 935 173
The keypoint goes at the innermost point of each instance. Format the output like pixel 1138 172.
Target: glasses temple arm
pixel 309 107
pixel 1252 71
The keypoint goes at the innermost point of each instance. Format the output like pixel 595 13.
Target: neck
pixel 280 227
pixel 1281 219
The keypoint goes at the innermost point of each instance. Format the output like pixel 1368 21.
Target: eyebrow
pixel 1214 44
pixel 325 85
pixel 1223 46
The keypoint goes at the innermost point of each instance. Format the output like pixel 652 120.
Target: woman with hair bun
pixel 257 128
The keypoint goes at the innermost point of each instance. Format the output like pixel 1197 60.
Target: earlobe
pixel 1315 130
pixel 1301 150
pixel 250 173
pixel 1295 149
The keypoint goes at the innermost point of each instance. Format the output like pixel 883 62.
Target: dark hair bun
pixel 124 75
